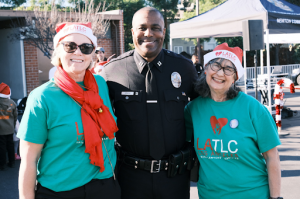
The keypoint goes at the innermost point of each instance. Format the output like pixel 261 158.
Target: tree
pixel 296 2
pixel 204 6
pixel 169 10
pixel 13 3
pixel 129 7
pixel 38 27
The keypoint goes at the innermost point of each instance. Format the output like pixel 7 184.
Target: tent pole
pixel 245 75
pixel 269 71
pixel 171 46
pixel 199 50
pixel 261 62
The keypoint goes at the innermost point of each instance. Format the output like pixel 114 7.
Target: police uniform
pixel 139 177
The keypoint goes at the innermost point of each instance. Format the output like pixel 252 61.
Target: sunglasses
pixel 71 47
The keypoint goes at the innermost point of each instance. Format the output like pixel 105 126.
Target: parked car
pixel 295 76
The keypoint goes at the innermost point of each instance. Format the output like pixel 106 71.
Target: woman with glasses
pixel 67 130
pixel 234 136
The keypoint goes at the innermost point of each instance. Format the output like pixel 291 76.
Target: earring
pixel 205 73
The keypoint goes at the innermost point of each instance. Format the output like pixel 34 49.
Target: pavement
pixel 289 152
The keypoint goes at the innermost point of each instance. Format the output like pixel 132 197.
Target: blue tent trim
pixel 282 15
pixel 281 7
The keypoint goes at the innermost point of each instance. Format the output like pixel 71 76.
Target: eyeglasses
pixel 227 70
pixel 71 47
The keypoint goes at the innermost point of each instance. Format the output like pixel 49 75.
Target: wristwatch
pixel 276 198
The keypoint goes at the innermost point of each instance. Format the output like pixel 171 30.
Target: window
pixel 192 50
pixel 188 50
pixel 178 49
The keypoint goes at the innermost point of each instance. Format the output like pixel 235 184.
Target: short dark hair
pixel 150 9
pixel 202 88
pixel 186 55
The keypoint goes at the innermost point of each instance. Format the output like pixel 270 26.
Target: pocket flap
pixel 128 96
pixel 171 95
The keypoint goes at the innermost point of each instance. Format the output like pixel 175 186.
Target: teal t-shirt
pixel 53 118
pixel 229 138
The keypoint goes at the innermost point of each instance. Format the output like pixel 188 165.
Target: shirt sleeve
pixel 266 130
pixel 188 123
pixel 103 74
pixel 33 127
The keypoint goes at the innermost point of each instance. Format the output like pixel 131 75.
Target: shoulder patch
pixel 172 54
pixel 120 57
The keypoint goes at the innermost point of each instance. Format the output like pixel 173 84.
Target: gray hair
pixel 202 88
pixel 55 58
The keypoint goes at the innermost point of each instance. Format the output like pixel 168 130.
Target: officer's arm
pixel 194 76
pixel 103 73
pixel 188 124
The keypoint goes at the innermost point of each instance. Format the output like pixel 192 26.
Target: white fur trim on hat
pixel 6 96
pixel 226 55
pixel 72 29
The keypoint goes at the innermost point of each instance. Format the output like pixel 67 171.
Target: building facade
pixel 24 67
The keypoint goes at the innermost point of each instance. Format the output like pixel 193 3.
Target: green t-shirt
pixel 229 138
pixel 53 118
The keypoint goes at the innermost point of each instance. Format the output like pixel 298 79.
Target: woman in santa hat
pixel 67 130
pixel 234 136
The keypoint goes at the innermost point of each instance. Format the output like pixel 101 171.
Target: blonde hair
pixel 55 58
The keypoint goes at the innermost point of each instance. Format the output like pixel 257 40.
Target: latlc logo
pixel 217 124
pixel 80 136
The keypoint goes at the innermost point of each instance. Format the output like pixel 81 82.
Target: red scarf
pixel 96 118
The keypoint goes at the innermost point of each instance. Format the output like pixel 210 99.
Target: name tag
pixel 127 93
pixel 151 101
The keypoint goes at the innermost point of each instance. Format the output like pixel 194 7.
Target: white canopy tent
pixel 279 17
pixel 292 38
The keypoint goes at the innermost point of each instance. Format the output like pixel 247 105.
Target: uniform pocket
pixel 175 103
pixel 129 104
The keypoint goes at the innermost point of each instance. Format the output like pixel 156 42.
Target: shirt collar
pixel 141 62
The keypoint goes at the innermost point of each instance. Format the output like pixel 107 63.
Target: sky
pixel 65 4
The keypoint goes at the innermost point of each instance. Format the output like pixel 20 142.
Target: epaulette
pixel 172 54
pixel 122 56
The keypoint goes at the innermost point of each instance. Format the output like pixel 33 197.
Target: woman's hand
pixel 30 153
pixel 108 59
pixel 274 172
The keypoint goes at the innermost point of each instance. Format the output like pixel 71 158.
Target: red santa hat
pixel 235 55
pixel 67 28
pixel 4 90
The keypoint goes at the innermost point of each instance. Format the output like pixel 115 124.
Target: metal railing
pixel 251 71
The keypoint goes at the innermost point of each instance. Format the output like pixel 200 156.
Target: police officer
pixel 149 88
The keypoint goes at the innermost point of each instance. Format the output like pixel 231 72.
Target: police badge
pixel 176 79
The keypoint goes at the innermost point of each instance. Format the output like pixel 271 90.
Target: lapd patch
pixel 176 79
pixel 234 123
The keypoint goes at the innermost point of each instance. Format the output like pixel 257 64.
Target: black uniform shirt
pixel 125 78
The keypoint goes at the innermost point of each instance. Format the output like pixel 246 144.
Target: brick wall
pixel 107 44
pixel 31 67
